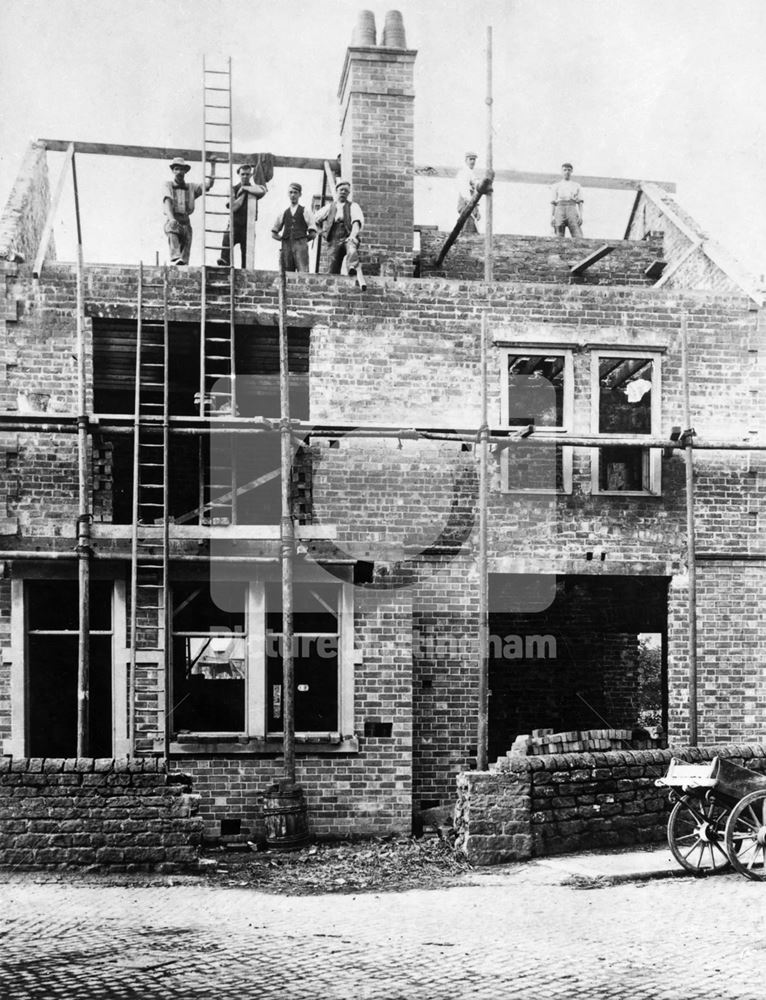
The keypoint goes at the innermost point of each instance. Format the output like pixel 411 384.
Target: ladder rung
pixel 217 142
pixel 225 124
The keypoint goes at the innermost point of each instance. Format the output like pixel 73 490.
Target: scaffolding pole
pixel 287 539
pixel 83 519
pixel 483 555
pixel 488 268
pixel 691 555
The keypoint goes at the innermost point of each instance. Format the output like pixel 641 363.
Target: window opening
pixel 209 662
pixel 538 390
pixel 316 620
pixel 52 662
pixel 627 405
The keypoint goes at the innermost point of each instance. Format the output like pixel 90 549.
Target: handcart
pixel 719 817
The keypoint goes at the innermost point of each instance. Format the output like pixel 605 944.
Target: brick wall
pixel 25 212
pixel 538 258
pixel 368 791
pixel 680 233
pixel 123 813
pixel 405 353
pixel 536 806
pixel 378 151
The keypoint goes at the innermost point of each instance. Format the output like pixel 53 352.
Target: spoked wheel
pixel 696 835
pixel 746 836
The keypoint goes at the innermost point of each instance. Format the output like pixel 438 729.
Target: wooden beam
pixel 529 177
pixel 50 221
pixel 170 152
pixel 483 188
pixel 591 259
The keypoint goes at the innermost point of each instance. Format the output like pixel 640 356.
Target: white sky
pixel 659 89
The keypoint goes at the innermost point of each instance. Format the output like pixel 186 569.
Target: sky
pixel 653 89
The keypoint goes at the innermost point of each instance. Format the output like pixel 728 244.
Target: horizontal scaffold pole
pixel 113 423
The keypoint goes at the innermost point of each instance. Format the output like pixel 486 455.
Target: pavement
pixel 579 927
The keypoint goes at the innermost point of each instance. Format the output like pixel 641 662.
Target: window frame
pixel 553 433
pixel 256 672
pixel 652 456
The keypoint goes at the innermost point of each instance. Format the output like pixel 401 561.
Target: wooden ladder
pixel 149 549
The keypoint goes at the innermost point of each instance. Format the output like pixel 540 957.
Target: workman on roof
pixel 343 222
pixel 178 199
pixel 294 229
pixel 246 195
pixel 567 200
pixel 467 184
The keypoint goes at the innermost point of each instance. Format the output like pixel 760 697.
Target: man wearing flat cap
pixel 467 182
pixel 294 229
pixel 343 221
pixel 178 199
pixel 566 199
pixel 245 195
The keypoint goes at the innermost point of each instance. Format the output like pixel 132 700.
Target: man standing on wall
pixel 343 221
pixel 567 200
pixel 294 229
pixel 246 195
pixel 466 188
pixel 178 199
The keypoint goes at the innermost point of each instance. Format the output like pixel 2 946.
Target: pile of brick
pixel 545 741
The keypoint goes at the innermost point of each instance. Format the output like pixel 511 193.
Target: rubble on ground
pixel 376 865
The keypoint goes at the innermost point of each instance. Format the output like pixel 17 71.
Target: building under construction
pixel 515 471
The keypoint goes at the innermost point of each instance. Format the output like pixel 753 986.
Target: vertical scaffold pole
pixel 483 568
pixel 488 196
pixel 287 536
pixel 83 519
pixel 691 551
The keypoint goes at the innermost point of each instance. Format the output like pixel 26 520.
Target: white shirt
pixel 566 191
pixel 356 213
pixel 466 182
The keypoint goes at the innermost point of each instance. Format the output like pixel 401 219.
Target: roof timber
pixel 170 152
pixel 318 163
pixel 529 177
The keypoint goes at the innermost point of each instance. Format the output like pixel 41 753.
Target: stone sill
pixel 271 746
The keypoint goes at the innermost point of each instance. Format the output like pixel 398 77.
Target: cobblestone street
pixel 526 931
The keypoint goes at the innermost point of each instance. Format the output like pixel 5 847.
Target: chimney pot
pixel 393 31
pixel 364 30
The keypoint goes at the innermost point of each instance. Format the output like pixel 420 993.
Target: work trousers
pixel 340 250
pixel 240 240
pixel 295 254
pixel 469 226
pixel 566 215
pixel 180 242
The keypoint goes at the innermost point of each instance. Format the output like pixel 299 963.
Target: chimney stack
pixel 376 96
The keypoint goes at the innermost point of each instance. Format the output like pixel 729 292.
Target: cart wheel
pixel 746 836
pixel 696 835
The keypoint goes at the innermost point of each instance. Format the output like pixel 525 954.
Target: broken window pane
pixel 536 390
pixel 624 470
pixel 625 395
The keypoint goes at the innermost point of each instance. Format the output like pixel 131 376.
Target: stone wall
pixel 536 806
pixel 538 258
pixel 124 813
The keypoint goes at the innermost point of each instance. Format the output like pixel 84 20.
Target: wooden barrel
pixel 285 817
